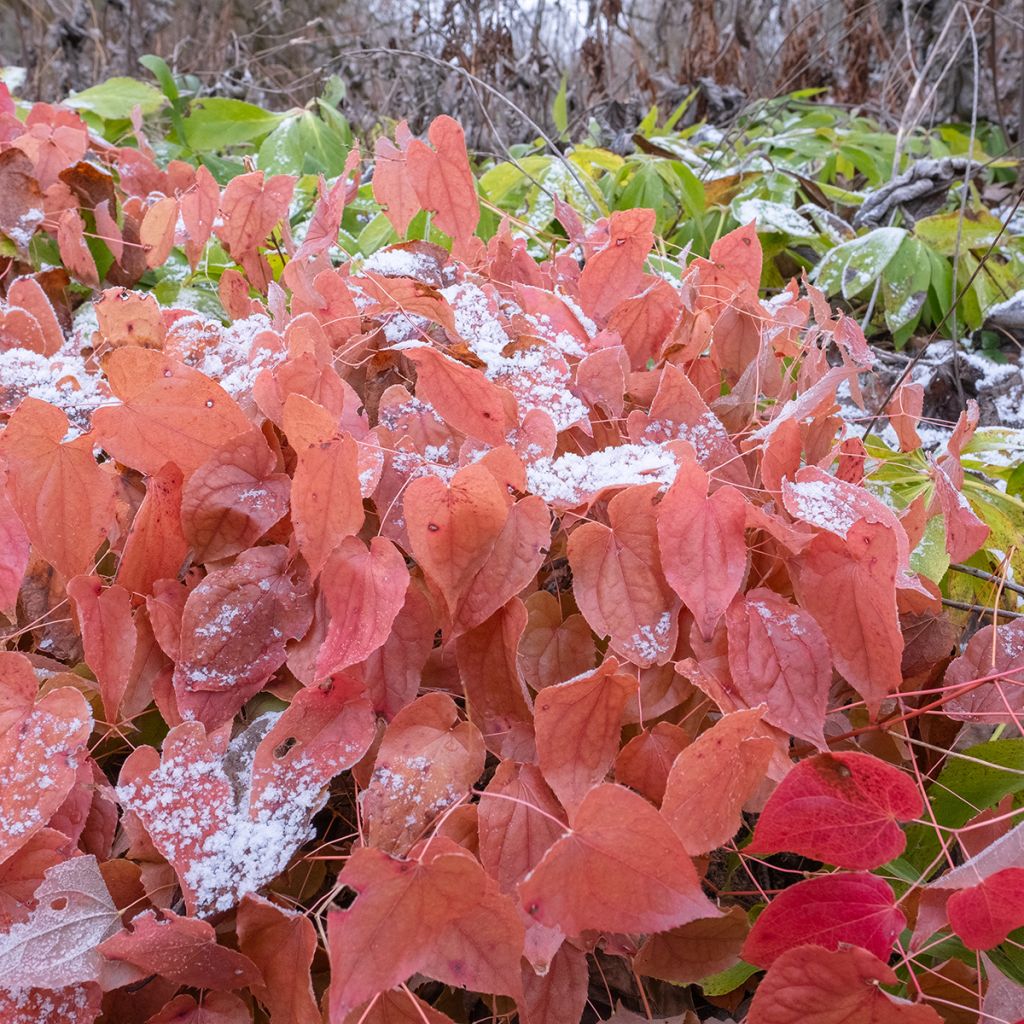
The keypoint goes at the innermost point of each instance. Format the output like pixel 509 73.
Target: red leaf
pixel 74 252
pixel 551 650
pixel 390 930
pixel 713 778
pixel 327 504
pixel 830 911
pixel 156 546
pixel 14 552
pixel 250 209
pixel 989 652
pixel 39 753
pixel 198 212
pixel 965 532
pixel 215 1008
pixel 841 808
pixel 644 762
pixel 984 914
pixel 615 273
pixel 779 656
pixel 364 591
pixel 325 221
pixel 453 529
pixel 27 293
pixel 579 724
pixel 62 497
pixel 182 949
pixel 281 943
pixel 233 632
pixel 694 951
pixel 229 823
pixel 392 673
pixel 519 820
pixel 157 231
pixel 704 552
pixel 108 634
pixel 233 498
pixel 618 582
pixel 810 985
pixel 443 180
pixel 464 397
pixel 427 761
pixel 168 413
pixel 392 188
pixel 560 995
pixel 497 700
pixel 514 559
pixel 482 949
pixel 849 586
pixel 620 869
pixel 400 1006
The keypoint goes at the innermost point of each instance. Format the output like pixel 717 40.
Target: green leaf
pixel 724 982
pixel 966 785
pixel 303 144
pixel 560 107
pixel 769 216
pixel 930 557
pixel 854 266
pixel 980 229
pixel 215 122
pixel 114 99
pixel 905 284
pixel 163 74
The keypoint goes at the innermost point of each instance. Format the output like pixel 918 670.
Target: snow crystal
pixel 62 381
pixel 536 376
pixel 224 850
pixel 651 642
pixel 817 502
pixel 402 263
pixel 571 479
pixel 232 361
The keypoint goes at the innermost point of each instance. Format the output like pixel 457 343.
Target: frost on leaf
pixel 233 633
pixel 50 963
pixel 39 757
pixel 229 823
pixel 56 947
pixel 427 761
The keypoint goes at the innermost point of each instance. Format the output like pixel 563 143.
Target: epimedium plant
pixel 800 169
pixel 449 633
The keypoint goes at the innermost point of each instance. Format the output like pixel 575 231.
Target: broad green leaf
pixel 978 779
pixel 905 284
pixel 940 231
pixel 303 144
pixel 773 217
pixel 854 266
pixel 216 122
pixel 560 108
pixel 114 99
pixel 930 557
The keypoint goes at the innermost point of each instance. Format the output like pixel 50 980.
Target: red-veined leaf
pixel 842 808
pixel 620 869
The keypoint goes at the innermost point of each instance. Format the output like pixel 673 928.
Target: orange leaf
pixel 578 724
pixel 62 497
pixel 168 413
pixel 620 869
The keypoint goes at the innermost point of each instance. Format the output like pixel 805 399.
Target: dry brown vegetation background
pixel 899 60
